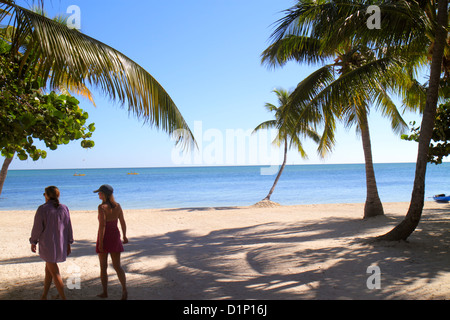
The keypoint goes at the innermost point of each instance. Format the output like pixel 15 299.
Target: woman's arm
pixel 123 225
pixel 69 233
pixel 38 227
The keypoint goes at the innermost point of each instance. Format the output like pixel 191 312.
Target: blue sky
pixel 206 54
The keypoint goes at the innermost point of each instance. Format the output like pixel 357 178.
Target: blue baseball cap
pixel 106 189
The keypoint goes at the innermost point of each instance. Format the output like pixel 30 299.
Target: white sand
pixel 285 252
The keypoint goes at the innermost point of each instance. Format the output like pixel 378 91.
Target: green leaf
pixel 58 114
pixel 87 144
pixel 91 127
pixel 22 155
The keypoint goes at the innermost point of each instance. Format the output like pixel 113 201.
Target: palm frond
pixel 323 97
pixel 270 124
pixel 271 107
pixel 296 48
pixel 311 86
pixel 284 122
pixel 390 111
pixel 79 90
pixel 401 21
pixel 297 143
pixel 328 138
pixel 66 52
pixel 355 85
pixel 299 20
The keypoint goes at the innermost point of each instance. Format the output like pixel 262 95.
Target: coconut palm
pixel 287 134
pixel 60 53
pixel 346 93
pixel 439 63
pixel 418 26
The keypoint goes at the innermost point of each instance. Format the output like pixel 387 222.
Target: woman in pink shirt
pixel 108 238
pixel 52 230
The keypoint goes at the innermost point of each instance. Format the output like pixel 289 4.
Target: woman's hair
pixel 109 200
pixel 53 193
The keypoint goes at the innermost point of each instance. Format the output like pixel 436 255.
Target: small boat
pixel 79 175
pixel 441 198
pixel 132 173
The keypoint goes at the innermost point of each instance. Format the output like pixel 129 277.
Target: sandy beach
pixel 279 253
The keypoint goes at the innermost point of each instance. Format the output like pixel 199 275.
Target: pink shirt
pixel 52 230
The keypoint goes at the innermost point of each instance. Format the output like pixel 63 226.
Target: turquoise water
pixel 218 186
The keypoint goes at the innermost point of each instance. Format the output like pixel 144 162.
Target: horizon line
pixel 218 166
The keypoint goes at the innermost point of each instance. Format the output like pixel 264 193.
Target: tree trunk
pixel 279 172
pixel 4 172
pixel 373 206
pixel 409 224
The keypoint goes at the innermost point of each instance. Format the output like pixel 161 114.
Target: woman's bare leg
pixel 103 258
pixel 120 273
pixel 47 283
pixel 57 280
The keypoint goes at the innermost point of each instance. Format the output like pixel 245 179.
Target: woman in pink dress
pixel 52 230
pixel 108 238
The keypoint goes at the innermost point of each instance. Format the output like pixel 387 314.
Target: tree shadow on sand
pixel 283 261
pixel 30 288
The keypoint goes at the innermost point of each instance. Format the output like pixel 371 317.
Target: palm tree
pixel 60 53
pixel 352 61
pixel 287 136
pixel 345 94
pixel 417 26
pixel 439 62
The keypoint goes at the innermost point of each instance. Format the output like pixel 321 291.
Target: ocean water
pixel 186 187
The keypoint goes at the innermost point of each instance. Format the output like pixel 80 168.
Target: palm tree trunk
pixel 279 172
pixel 409 224
pixel 4 172
pixel 373 206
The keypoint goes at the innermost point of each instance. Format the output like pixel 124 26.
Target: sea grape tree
pixel 27 115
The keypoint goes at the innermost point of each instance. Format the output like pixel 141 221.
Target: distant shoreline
pixel 219 208
pixel 214 166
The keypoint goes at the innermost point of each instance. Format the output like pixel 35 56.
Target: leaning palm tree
pixel 346 94
pixel 288 135
pixel 419 26
pixel 60 53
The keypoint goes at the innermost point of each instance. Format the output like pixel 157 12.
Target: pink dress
pixel 111 239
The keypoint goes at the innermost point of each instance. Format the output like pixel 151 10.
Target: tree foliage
pixel 440 145
pixel 27 114
pixel 63 53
